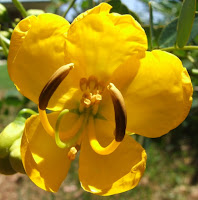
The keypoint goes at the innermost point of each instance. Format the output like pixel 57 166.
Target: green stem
pixel 70 6
pixel 20 7
pixel 183 48
pixel 151 24
pixel 6 40
pixel 195 71
pixel 4 47
pixel 26 111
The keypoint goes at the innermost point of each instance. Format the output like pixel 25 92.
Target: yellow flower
pixel 108 74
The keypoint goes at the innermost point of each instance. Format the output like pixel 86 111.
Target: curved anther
pixel 52 84
pixel 47 93
pixel 120 112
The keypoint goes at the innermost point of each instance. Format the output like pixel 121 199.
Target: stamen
pixel 72 153
pixel 96 145
pixel 83 84
pixel 101 86
pixel 87 102
pixel 52 84
pixel 45 122
pixel 98 97
pixel 92 83
pixel 120 112
pixel 48 91
pixel 78 131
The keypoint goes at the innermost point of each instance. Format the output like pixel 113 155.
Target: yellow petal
pixel 45 163
pixel 103 7
pixel 113 173
pixel 121 78
pixel 160 96
pixel 104 41
pixel 36 52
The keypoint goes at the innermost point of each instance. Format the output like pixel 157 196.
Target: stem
pixel 183 48
pixel 4 47
pixel 69 7
pixel 151 24
pixel 195 71
pixel 20 7
pixel 6 40
pixel 26 111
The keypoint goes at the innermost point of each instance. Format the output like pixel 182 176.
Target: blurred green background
pixel 172 166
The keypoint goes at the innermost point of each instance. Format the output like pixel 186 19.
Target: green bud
pixel 15 156
pixel 3 13
pixel 6 34
pixel 35 12
pixel 11 133
pixel 5 166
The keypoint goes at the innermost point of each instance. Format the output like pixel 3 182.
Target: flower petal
pixel 105 41
pixel 36 52
pixel 45 163
pixel 113 173
pixel 160 96
pixel 121 78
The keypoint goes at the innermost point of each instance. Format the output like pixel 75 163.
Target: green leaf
pixel 185 22
pixel 169 33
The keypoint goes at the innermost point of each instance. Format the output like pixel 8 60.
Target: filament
pixel 96 145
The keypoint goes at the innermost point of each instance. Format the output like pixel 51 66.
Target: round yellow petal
pixel 36 52
pixel 113 173
pixel 101 8
pixel 121 78
pixel 45 163
pixel 99 42
pixel 160 96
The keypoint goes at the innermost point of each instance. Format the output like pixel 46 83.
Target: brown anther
pixel 52 84
pixel 92 83
pixel 101 86
pixel 83 84
pixel 120 112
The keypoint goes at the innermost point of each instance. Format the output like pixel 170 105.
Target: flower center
pixel 91 97
pixel 92 94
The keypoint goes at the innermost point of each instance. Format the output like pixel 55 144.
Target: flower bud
pixel 3 13
pixel 11 133
pixel 15 156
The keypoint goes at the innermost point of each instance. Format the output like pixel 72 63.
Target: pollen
pixel 92 94
pixel 72 153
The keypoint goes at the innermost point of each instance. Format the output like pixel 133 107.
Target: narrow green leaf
pixel 185 22
pixel 4 47
pixel 169 33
